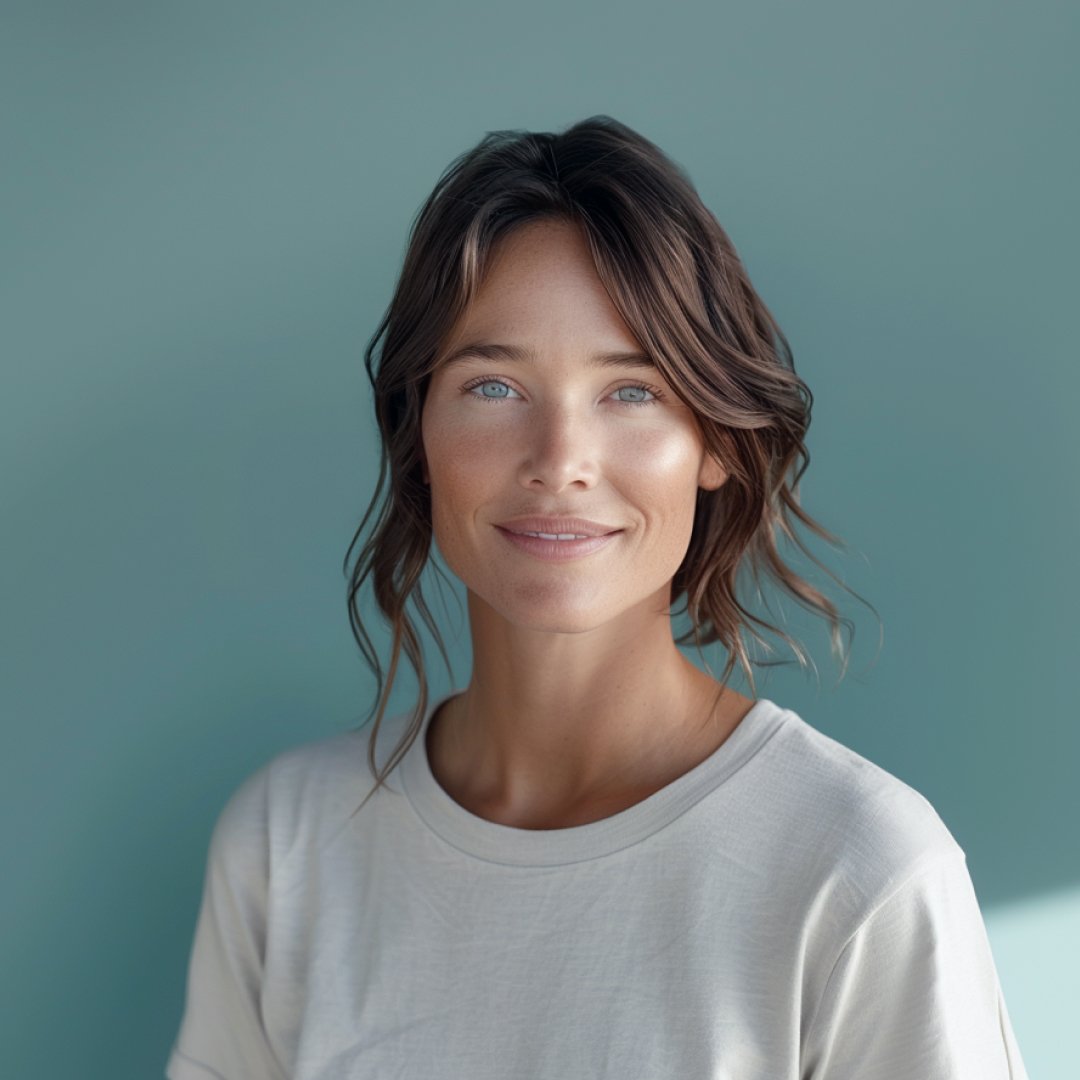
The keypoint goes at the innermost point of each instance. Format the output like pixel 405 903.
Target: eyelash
pixel 657 395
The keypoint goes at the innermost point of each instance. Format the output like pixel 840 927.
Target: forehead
pixel 541 291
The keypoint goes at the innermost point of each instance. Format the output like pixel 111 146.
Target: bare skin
pixel 456 772
pixel 580 703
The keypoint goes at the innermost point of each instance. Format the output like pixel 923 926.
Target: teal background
pixel 205 209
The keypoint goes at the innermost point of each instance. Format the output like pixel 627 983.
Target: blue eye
pixel 489 382
pixel 643 389
pixel 656 395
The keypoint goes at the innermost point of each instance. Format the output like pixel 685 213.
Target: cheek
pixel 667 458
pixel 459 457
pixel 659 475
pixel 446 431
pixel 459 463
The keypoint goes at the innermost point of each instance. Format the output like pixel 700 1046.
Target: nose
pixel 561 445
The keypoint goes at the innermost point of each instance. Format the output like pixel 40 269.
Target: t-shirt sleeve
pixel 221 1033
pixel 914 994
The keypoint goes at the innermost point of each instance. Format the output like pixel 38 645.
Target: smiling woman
pixel 557 439
pixel 595 860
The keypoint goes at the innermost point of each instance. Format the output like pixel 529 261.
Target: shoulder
pixel 304 792
pixel 853 830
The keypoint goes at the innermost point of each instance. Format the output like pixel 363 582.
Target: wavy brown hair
pixel 678 283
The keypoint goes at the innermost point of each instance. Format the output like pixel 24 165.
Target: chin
pixel 547 616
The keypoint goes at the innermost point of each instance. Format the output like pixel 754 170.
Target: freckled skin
pixel 576 677
pixel 561 437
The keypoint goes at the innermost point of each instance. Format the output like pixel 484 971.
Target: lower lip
pixel 557 550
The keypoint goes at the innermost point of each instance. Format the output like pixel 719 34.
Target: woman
pixel 595 860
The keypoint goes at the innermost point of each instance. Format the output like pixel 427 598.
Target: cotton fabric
pixel 787 910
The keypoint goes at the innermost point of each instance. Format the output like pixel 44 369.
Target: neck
pixel 550 722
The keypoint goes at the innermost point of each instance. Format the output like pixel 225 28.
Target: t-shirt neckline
pixel 499 843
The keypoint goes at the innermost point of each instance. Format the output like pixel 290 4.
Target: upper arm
pixel 914 992
pixel 222 1032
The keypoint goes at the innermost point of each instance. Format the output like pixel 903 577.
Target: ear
pixel 712 474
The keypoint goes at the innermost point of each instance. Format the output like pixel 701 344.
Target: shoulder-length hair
pixel 678 283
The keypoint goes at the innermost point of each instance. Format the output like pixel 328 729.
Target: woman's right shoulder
pixel 307 789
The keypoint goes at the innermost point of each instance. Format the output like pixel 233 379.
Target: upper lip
pixel 580 526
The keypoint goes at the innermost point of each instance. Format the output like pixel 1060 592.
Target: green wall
pixel 205 207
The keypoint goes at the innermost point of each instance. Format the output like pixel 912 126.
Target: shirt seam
pixel 922 864
pixel 470 854
pixel 198 1064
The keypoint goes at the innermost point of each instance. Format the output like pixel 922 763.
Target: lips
pixel 559 548
pixel 560 526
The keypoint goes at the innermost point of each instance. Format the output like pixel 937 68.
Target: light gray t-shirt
pixel 787 910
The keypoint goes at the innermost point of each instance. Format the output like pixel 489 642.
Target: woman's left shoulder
pixel 868 823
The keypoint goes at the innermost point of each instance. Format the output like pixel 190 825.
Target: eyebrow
pixel 486 351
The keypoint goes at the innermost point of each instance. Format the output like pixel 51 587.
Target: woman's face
pixel 553 435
